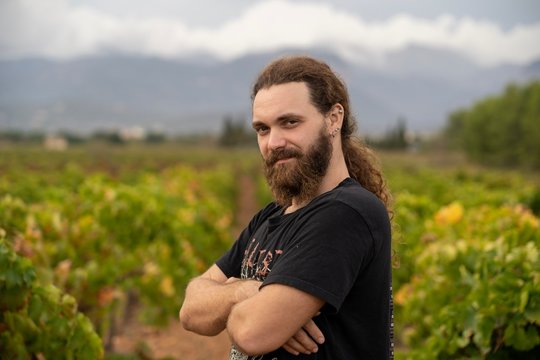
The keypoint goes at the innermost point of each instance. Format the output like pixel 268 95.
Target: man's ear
pixel 336 115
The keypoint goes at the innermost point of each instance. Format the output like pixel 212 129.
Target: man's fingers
pixel 290 350
pixel 300 343
pixel 305 340
pixel 314 332
pixel 294 347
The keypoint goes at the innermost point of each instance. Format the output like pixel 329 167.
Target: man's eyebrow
pixel 281 118
pixel 289 116
pixel 256 123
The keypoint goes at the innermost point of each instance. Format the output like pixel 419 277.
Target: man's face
pixel 293 140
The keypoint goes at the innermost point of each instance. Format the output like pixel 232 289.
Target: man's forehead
pixel 296 90
pixel 282 99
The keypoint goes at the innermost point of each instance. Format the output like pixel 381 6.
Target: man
pixel 310 276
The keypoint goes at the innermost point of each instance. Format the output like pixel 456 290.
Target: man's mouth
pixel 281 156
pixel 284 160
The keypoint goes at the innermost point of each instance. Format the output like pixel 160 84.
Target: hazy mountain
pixel 419 84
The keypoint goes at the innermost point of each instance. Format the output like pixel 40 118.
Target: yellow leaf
pixel 450 214
pixel 403 294
pixel 166 286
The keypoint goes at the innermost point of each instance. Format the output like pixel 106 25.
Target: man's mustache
pixel 281 154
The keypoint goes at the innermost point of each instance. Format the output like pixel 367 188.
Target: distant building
pixel 55 143
pixel 132 133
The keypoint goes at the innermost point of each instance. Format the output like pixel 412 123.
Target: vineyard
pixel 92 236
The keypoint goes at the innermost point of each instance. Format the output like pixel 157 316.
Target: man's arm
pixel 268 319
pixel 209 299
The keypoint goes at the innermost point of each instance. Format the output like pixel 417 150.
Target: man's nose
pixel 276 139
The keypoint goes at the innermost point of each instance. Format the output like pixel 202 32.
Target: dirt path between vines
pixel 173 342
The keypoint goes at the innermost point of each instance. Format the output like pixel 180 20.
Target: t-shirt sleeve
pixel 332 246
pixel 231 261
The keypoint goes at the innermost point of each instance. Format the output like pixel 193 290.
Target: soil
pixel 173 342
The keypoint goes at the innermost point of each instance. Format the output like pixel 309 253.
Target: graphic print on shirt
pixel 238 355
pixel 257 265
pixel 257 262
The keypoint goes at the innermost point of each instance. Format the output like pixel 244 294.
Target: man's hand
pixel 265 321
pixel 210 298
pixel 305 341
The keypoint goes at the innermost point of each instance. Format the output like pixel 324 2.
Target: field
pixel 96 236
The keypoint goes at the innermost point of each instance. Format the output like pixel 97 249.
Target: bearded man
pixel 310 276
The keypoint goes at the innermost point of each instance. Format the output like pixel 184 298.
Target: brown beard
pixel 301 180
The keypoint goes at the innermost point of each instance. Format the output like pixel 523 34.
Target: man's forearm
pixel 207 303
pixel 272 318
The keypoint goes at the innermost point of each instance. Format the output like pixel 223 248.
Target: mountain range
pixel 194 95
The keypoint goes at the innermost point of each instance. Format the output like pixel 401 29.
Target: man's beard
pixel 301 180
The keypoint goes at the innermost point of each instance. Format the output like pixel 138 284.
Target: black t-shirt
pixel 337 248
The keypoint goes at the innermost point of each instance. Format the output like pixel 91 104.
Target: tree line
pixel 500 130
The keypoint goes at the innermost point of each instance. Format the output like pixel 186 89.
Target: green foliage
pixel 468 284
pixel 476 286
pixel 21 137
pixel 105 238
pixel 108 242
pixel 133 224
pixel 16 278
pixel 38 320
pixel 501 130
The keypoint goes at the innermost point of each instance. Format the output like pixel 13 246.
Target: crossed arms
pixel 257 320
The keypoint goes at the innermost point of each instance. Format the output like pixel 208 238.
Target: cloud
pixel 57 29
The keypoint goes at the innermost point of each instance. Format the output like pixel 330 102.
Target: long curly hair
pixel 327 89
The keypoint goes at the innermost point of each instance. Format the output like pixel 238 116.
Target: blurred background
pixel 178 67
pixel 128 163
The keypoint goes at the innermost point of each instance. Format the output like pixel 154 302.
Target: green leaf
pixel 13 347
pixel 19 323
pixel 483 331
pixel 533 315
pixel 526 339
pixel 523 299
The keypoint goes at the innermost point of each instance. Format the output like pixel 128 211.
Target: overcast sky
pixel 490 32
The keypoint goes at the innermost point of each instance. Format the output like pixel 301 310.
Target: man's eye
pixel 291 122
pixel 261 130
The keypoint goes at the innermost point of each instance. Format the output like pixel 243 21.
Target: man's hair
pixel 326 90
